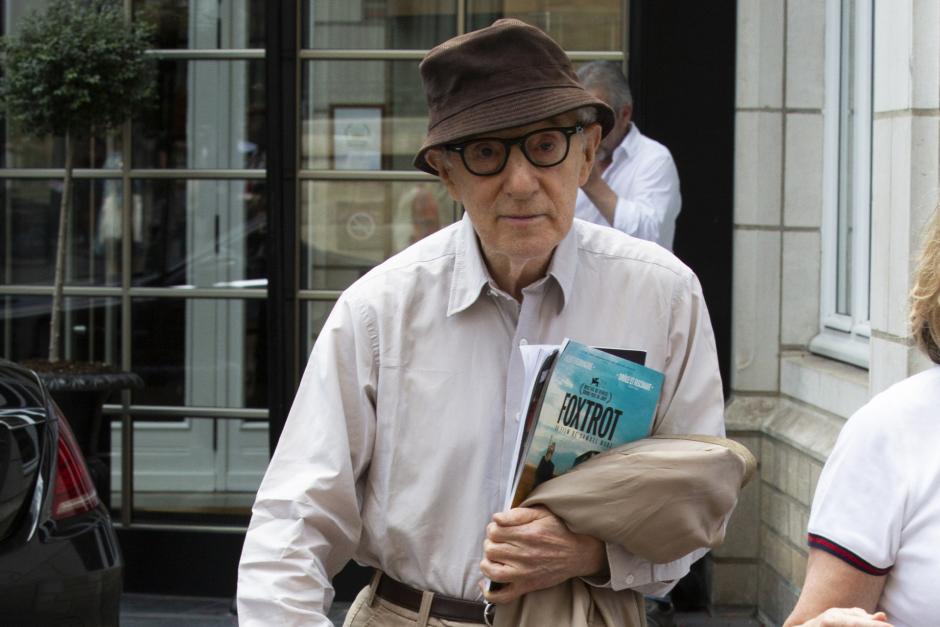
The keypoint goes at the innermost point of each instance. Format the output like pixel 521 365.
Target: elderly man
pixel 634 186
pixel 401 434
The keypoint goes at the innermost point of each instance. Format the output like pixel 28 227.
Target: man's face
pixel 622 120
pixel 523 212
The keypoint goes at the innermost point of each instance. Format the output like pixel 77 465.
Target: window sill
pixel 832 386
pixel 845 347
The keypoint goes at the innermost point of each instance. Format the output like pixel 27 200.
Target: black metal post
pixel 281 92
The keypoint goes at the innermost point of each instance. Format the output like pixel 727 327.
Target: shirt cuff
pixel 625 220
pixel 629 571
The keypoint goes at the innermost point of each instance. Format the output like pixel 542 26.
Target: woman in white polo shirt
pixel 874 529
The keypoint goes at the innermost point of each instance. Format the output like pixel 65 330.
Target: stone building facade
pixel 803 359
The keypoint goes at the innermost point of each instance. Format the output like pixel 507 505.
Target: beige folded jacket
pixel 660 498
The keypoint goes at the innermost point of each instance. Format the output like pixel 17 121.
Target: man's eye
pixel 543 144
pixel 484 150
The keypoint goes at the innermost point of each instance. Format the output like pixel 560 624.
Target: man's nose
pixel 520 176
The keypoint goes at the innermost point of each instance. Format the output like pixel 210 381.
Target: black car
pixel 59 558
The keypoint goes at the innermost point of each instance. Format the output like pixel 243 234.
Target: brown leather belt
pixel 447 608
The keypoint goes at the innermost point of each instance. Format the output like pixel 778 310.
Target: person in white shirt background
pixel 634 186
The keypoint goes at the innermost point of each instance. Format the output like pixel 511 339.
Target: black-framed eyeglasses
pixel 544 148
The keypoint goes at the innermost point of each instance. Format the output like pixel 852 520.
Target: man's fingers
pixel 505 593
pixel 496 571
pixel 519 516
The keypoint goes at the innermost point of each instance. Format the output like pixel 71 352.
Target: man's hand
pixel 855 617
pixel 600 193
pixel 529 548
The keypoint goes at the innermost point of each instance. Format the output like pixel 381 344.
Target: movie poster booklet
pixel 613 383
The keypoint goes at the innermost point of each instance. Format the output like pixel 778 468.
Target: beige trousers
pixel 368 610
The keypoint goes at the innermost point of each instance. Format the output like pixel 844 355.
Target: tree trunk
pixel 58 284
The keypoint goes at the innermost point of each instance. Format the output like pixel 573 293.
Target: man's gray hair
pixel 608 77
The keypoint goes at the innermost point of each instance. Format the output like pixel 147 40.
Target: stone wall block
pixel 776 597
pixel 734 583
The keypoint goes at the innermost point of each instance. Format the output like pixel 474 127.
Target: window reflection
pixel 201 24
pixel 210 114
pixel 392 24
pixel 349 227
pixel 19 150
pixel 29 229
pixel 200 233
pixel 595 25
pixel 200 352
pixel 90 332
pixel 383 96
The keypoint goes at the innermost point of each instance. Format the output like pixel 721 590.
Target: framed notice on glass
pixel 357 137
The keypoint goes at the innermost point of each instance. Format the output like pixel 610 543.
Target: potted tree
pixel 75 70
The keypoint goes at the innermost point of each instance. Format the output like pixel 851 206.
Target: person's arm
pixel 654 198
pixel 692 402
pixel 305 522
pixel 832 584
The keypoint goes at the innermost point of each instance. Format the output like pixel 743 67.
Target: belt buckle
pixel 489 613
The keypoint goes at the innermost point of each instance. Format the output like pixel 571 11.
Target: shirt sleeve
pixel 654 199
pixel 858 508
pixel 306 523
pixel 692 402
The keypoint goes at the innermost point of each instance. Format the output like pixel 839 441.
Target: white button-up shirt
pixel 397 446
pixel 643 176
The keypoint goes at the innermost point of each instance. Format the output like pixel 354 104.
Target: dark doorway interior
pixel 682 72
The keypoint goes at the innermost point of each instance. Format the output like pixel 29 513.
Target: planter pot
pixel 81 396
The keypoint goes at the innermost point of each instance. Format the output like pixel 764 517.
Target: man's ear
pixel 592 140
pixel 438 160
pixel 626 114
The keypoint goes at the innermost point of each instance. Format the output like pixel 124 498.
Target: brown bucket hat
pixel 507 74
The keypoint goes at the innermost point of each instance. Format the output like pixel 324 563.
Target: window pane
pixel 90 331
pixel 847 99
pixel 192 470
pixel 200 233
pixel 15 10
pixel 200 352
pixel 393 24
pixel 361 115
pixel 596 25
pixel 201 24
pixel 20 150
pixel 210 114
pixel 349 227
pixel 29 229
pixel 314 314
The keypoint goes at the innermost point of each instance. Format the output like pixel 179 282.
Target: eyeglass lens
pixel 543 148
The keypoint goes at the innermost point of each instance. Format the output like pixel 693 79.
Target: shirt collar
pixel 628 146
pixel 471 275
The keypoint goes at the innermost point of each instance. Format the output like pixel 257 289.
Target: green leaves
pixel 80 66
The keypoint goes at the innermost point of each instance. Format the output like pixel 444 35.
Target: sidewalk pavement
pixel 150 610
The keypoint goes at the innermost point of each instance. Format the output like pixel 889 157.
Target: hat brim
pixel 517 109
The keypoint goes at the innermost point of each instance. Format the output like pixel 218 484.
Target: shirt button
pixel 523 342
pixel 517 416
pixel 629 579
